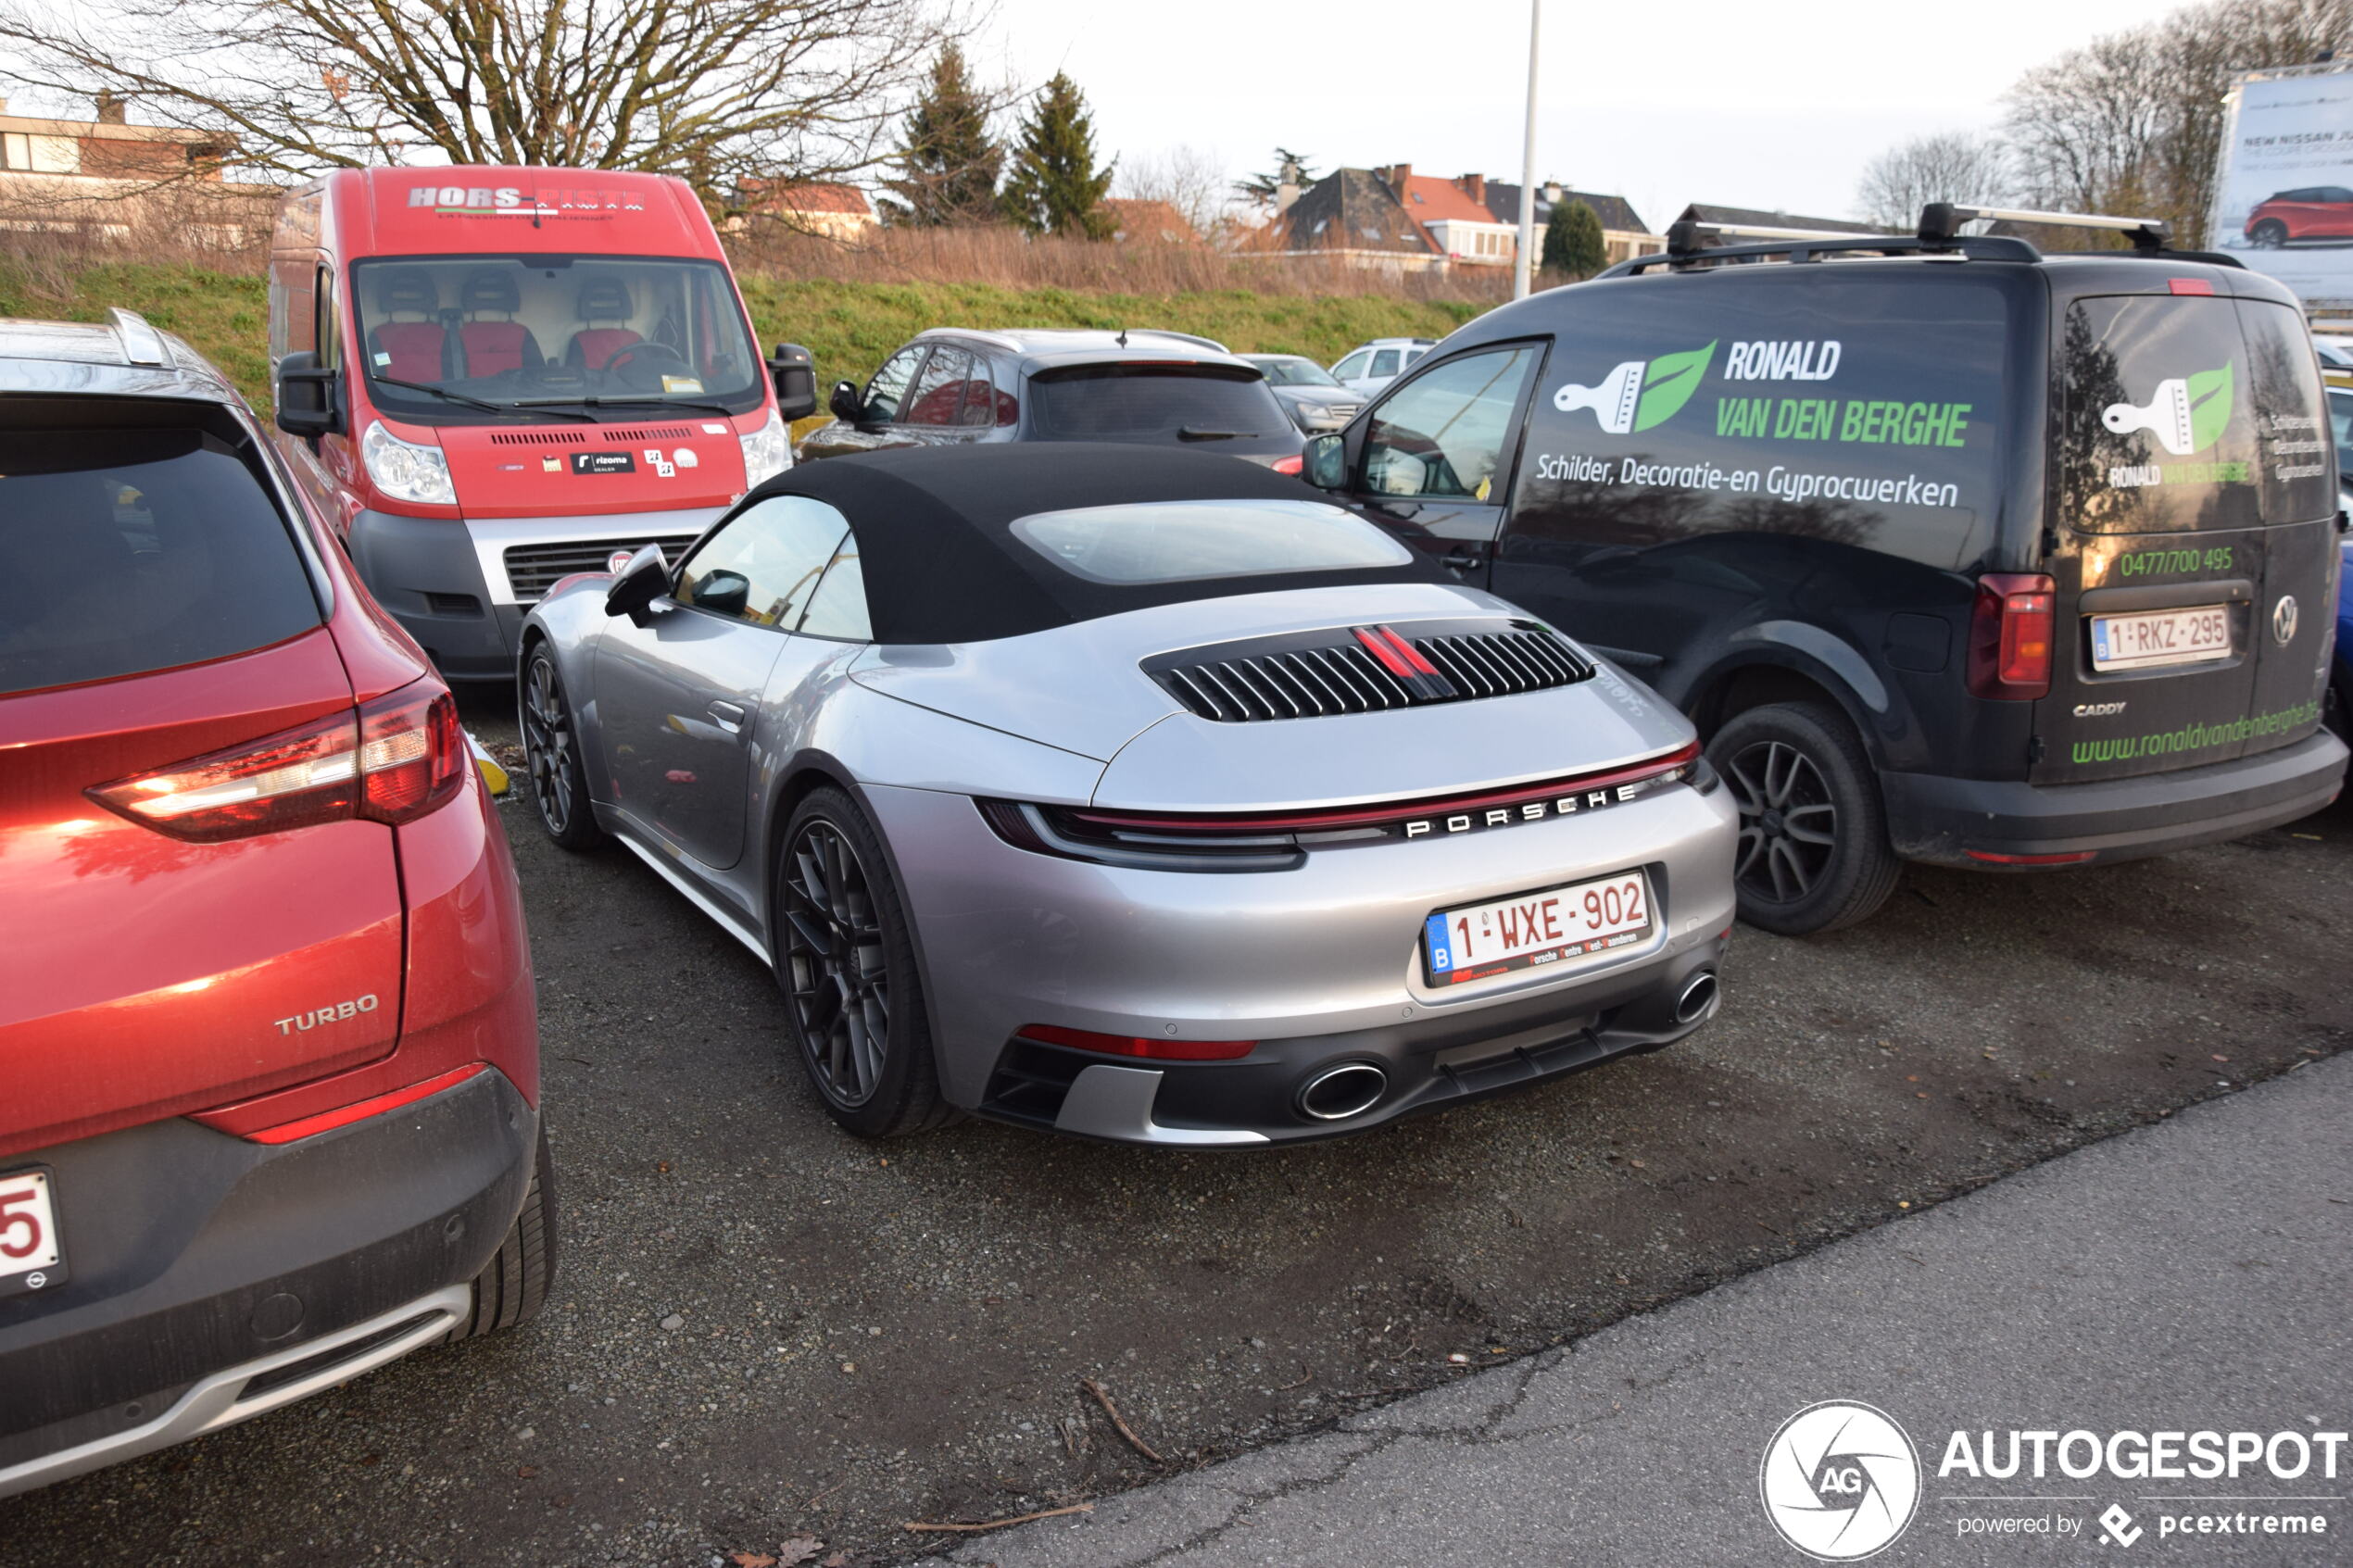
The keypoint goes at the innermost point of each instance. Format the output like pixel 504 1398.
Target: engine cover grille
pixel 1367 669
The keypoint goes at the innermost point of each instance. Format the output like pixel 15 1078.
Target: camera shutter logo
pixel 1840 1480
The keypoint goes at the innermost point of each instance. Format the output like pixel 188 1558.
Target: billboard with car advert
pixel 2284 189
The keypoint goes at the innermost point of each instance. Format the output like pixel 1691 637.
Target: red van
pixel 489 379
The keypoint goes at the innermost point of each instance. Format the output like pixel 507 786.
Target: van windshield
pixel 531 331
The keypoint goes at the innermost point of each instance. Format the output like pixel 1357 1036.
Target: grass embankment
pixel 849 326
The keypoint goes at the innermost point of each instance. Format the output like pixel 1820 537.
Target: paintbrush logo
pixel 2187 415
pixel 1640 392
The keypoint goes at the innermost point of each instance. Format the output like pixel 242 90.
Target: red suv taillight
pixel 390 760
pixel 2011 634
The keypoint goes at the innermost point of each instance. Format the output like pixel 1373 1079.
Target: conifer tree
pixel 1055 187
pixel 1573 239
pixel 947 166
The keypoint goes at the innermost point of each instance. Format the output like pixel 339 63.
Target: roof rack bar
pixel 1941 222
pixel 1683 238
pixel 142 345
pixel 1685 255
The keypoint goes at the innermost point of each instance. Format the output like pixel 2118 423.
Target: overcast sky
pixel 1755 103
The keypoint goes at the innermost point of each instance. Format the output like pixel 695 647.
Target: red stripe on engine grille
pixel 1407 651
pixel 1377 646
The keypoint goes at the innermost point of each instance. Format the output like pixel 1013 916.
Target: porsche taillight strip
pixel 1388 812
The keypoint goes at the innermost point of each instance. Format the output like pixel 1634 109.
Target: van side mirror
pixel 310 397
pixel 1327 465
pixel 846 405
pixel 794 371
pixel 636 585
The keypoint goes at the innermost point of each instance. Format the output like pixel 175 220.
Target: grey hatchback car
pixel 960 387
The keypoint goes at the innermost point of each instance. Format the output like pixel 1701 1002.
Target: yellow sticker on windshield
pixel 681 383
pixel 1481 491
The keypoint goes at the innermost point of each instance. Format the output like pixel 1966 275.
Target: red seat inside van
pixel 494 347
pixel 412 350
pixel 593 347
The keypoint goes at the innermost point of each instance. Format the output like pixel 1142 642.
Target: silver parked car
pixel 1316 403
pixel 1140 794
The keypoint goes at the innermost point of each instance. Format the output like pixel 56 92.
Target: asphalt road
pixel 860 1337
pixel 2191 1275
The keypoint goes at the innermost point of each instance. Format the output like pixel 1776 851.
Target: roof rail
pixel 1197 341
pixel 142 345
pixel 999 340
pixel 1941 223
pixel 1685 250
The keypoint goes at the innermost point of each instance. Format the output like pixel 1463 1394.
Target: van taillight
pixel 2011 634
pixel 390 760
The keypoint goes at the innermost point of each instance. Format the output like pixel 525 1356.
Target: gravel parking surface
pixel 768 1335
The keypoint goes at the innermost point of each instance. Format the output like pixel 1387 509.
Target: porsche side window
pixel 763 566
pixel 1442 433
pixel 838 607
pixel 889 385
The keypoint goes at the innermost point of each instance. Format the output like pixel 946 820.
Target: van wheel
pixel 514 1286
pixel 845 959
pixel 2270 234
pixel 1813 852
pixel 551 756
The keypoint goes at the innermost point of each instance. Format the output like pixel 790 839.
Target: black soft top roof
pixel 942 564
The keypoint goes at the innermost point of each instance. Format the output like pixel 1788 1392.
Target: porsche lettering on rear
pixel 1532 811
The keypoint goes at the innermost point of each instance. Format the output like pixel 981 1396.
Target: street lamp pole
pixel 1527 260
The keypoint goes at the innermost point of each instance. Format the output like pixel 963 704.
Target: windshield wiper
pixel 598 400
pixel 467 398
pixel 1189 432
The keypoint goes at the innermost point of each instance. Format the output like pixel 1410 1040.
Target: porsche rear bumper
pixel 1321 965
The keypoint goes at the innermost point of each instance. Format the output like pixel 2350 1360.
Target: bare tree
pixel 1954 166
pixel 2131 121
pixel 720 92
pixel 1191 180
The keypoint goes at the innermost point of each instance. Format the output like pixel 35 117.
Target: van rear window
pixel 2158 431
pixel 137 550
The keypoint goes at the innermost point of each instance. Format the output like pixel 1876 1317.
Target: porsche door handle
pixel 729 717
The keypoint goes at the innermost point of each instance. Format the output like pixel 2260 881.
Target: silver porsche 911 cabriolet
pixel 1135 794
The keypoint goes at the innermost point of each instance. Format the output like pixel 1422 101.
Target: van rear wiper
pixel 1188 432
pixel 468 399
pixel 598 400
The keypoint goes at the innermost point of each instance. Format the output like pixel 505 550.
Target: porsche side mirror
pixel 845 404
pixel 723 593
pixel 794 371
pixel 1327 465
pixel 636 585
pixel 309 400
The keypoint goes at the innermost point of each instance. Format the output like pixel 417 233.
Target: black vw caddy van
pixel 1955 551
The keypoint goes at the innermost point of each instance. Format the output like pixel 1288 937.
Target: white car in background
pixel 1371 366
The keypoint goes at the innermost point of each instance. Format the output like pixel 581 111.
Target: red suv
pixel 267 1030
pixel 2309 212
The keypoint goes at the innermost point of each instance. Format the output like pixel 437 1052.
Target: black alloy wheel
pixel 839 980
pixel 551 756
pixel 2270 234
pixel 1813 853
pixel 846 960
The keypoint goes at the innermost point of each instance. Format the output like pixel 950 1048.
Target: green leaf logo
pixel 2210 393
pixel 1671 378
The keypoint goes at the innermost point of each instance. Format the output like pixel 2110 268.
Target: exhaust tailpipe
pixel 1698 998
pixel 1338 1093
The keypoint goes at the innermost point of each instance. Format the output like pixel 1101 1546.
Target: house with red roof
pixel 814 207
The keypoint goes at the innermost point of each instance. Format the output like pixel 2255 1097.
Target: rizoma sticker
pixel 603 462
pixel 335 1012
pixel 2187 414
pixel 1639 393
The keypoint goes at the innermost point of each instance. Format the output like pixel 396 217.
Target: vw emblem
pixel 620 558
pixel 2284 619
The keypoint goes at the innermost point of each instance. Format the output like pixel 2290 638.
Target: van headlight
pixel 405 471
pixel 767 451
